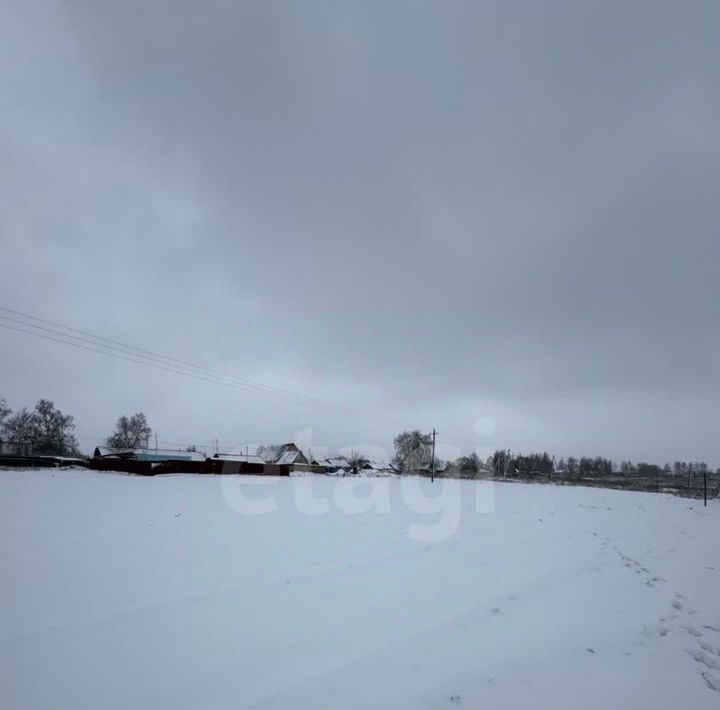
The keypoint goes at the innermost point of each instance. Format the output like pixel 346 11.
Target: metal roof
pixel 151 454
pixel 247 458
pixel 291 457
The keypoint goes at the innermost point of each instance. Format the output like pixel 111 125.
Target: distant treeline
pixel 544 463
pixel 413 451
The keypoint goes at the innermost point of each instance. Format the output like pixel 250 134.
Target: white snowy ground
pixel 122 592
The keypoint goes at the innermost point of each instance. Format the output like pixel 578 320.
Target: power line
pixel 103 352
pixel 113 350
pixel 150 363
pixel 167 369
pixel 227 381
pixel 166 360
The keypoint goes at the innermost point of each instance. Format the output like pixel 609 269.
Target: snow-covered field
pixel 120 592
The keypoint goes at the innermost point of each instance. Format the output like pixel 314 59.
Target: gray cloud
pixel 432 212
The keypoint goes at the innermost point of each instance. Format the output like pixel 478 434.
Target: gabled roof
pixel 338 462
pixel 107 451
pixel 290 445
pixel 375 466
pixel 290 457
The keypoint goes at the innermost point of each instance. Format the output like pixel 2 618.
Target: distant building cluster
pixel 271 460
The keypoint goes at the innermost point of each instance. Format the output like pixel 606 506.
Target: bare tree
pixel 45 430
pixel 130 433
pixel 412 450
pixel 468 466
pixel 5 412
pixel 53 430
pixel 20 429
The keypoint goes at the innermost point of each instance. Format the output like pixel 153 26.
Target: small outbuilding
pixel 148 454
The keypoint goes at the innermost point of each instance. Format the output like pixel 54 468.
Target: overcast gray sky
pixel 499 219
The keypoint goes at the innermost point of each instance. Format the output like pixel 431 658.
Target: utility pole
pixel 155 442
pixel 432 460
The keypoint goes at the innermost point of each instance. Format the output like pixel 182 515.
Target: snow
pixel 247 458
pixel 178 592
pixel 289 458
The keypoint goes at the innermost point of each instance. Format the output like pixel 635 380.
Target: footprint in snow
pixel 704 658
pixel 711 680
pixel 708 655
pixel 710 648
pixel 692 630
